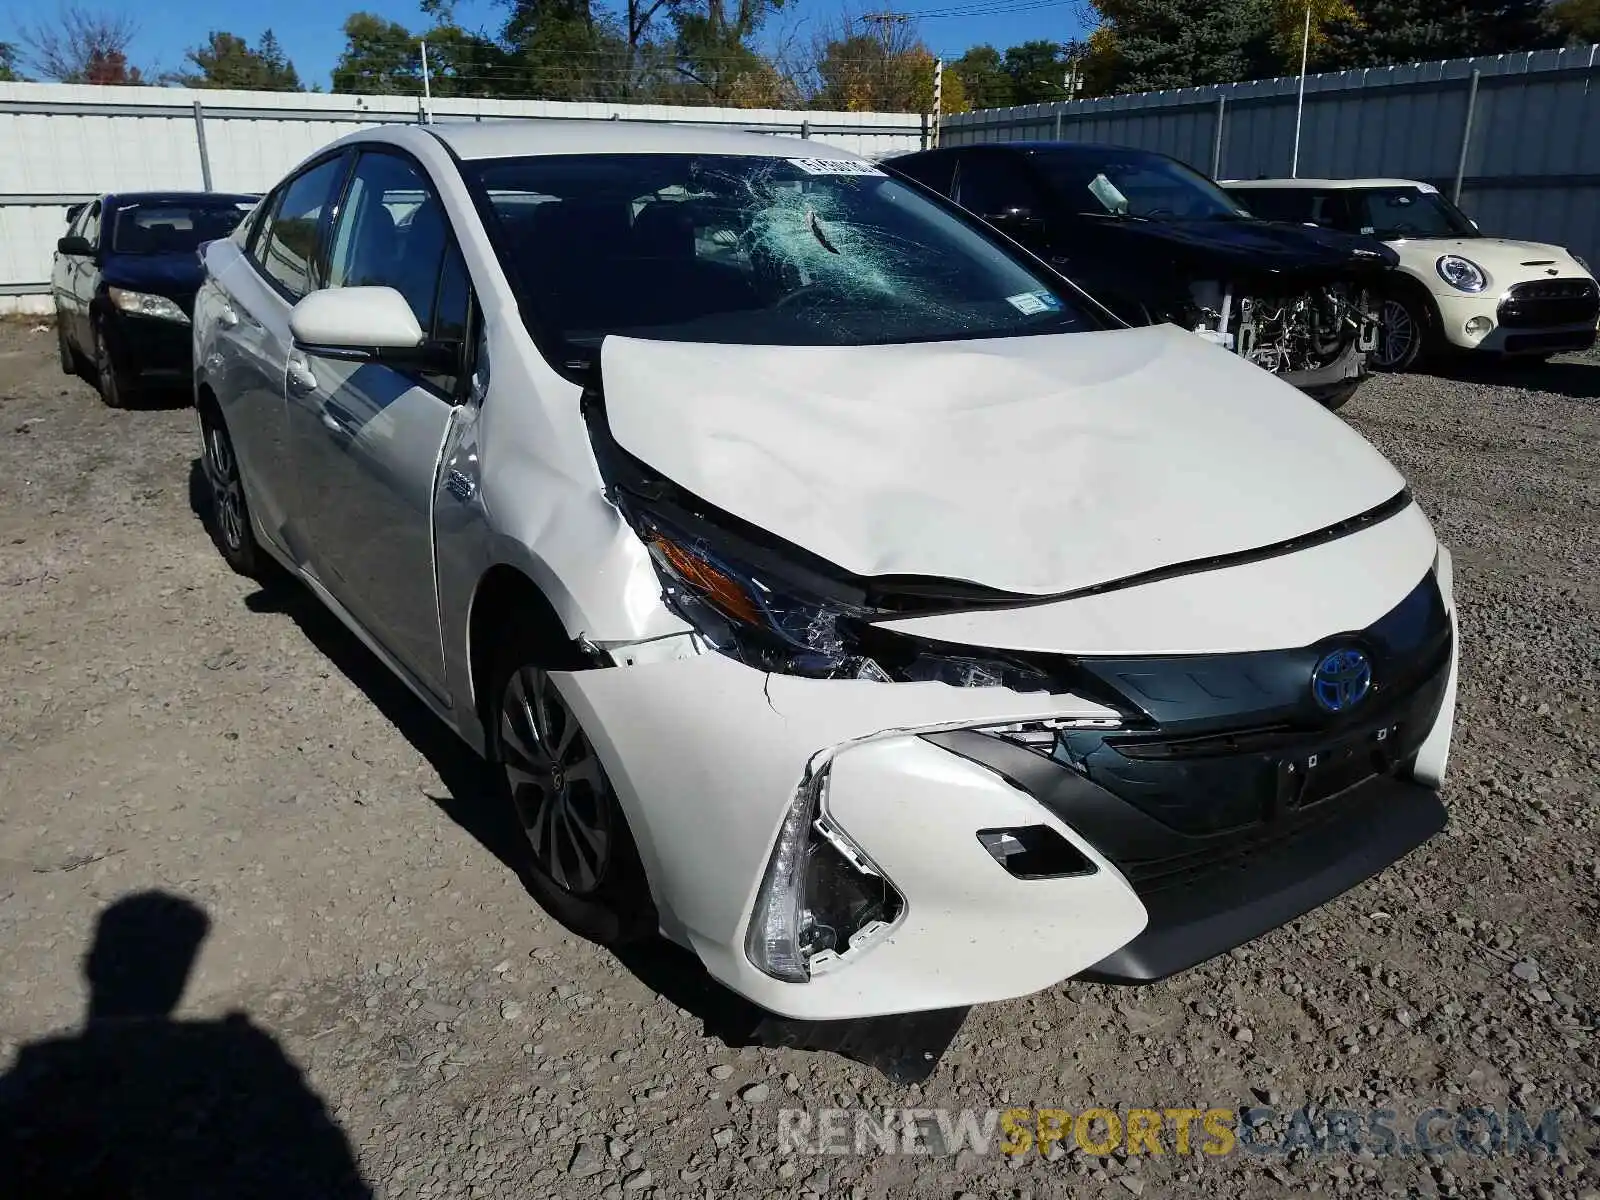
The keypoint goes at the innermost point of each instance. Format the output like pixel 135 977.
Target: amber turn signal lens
pixel 716 587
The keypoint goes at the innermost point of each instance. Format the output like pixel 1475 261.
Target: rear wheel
pixel 1403 331
pixel 69 359
pixel 580 858
pixel 228 520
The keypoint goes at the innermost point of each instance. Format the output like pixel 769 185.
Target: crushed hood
pixel 1036 465
pixel 1254 250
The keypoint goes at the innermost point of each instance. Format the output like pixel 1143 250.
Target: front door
pixel 366 436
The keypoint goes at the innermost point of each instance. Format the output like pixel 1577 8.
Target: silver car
pixel 835 589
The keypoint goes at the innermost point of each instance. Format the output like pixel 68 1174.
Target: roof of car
pixel 1323 184
pixel 513 139
pixel 121 198
pixel 1036 147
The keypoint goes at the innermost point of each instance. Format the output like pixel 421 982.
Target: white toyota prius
pixel 835 590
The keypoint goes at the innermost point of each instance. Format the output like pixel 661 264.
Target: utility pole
pixel 885 22
pixel 1300 104
pixel 938 97
pixel 427 89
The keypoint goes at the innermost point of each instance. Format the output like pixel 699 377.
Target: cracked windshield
pixel 763 251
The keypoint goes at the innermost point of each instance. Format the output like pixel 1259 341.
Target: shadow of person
pixel 138 1106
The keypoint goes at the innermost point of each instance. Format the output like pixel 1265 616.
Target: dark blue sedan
pixel 124 281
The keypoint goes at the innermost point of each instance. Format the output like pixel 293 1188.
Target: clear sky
pixel 309 29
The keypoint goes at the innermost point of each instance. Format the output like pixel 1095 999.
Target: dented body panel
pixel 1056 471
pixel 1035 465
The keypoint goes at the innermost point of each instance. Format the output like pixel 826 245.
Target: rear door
pixel 365 436
pixel 84 275
pixel 282 262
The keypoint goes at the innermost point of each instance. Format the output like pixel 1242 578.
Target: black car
pixel 1155 240
pixel 124 280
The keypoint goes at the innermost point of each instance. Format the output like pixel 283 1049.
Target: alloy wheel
pixel 1397 335
pixel 560 790
pixel 227 492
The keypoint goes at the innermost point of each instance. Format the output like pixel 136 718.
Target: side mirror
pixel 356 323
pixel 74 244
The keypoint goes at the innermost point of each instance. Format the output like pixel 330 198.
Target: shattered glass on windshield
pixel 753 250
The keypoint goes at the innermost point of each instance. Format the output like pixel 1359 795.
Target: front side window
pixel 289 242
pixel 392 232
pixel 993 185
pixel 1408 212
pixel 1147 186
pixel 751 250
pixel 172 228
pixel 91 224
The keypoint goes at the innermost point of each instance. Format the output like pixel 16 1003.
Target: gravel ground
pixel 167 725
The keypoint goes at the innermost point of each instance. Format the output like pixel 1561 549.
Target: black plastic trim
pixel 1210 911
pixel 1386 821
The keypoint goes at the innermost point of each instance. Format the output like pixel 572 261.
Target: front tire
pixel 1403 334
pixel 1339 394
pixel 115 384
pixel 228 517
pixel 579 858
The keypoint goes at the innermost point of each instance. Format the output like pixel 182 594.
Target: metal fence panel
pixel 65 142
pixel 1528 159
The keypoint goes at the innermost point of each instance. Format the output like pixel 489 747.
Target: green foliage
pixel 984 78
pixel 1406 31
pixel 1577 21
pixel 1038 72
pixel 228 61
pixel 8 64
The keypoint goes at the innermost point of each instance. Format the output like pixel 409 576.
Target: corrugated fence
pixel 1519 133
pixel 62 143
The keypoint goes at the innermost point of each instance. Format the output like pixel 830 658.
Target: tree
pixel 1576 21
pixel 983 78
pixel 381 58
pixel 82 46
pixel 8 64
pixel 1163 44
pixel 712 43
pixel 228 61
pixel 881 69
pixel 1038 72
pixel 564 50
pixel 1289 25
pixel 1405 31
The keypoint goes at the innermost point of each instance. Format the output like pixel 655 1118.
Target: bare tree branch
pixel 81 46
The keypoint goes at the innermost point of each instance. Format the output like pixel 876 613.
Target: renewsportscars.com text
pixel 1215 1131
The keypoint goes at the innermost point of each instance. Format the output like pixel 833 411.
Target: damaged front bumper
pixel 708 757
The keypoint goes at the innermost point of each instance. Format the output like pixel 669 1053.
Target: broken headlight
pixel 821 896
pixel 775 624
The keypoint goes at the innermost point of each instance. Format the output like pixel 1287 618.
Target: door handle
pixel 299 378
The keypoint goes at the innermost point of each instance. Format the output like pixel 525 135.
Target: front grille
pixel 1545 302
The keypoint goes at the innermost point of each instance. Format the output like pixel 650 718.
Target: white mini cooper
pixel 1455 287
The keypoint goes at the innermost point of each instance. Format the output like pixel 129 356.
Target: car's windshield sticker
pixel 1028 303
pixel 834 166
